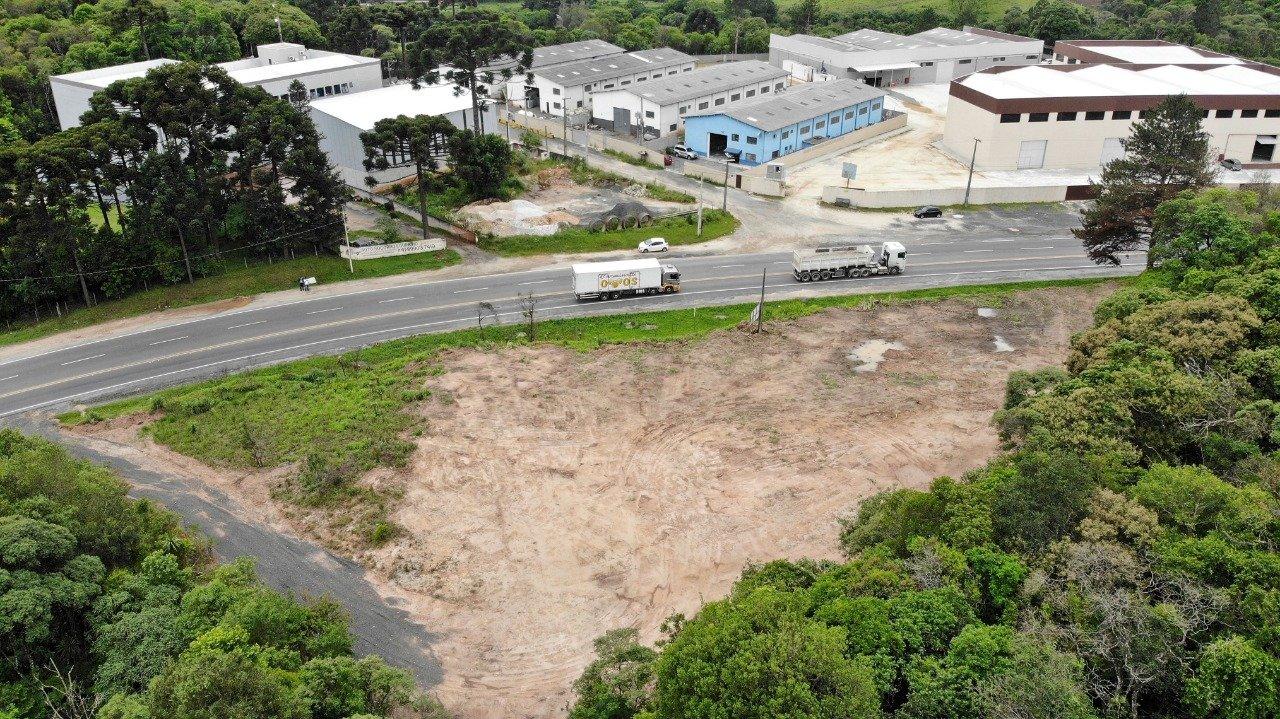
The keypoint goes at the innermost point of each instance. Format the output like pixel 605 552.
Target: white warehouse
pixel 570 85
pixel 275 67
pixel 340 121
pixel 660 105
pixel 1074 116
pixel 883 59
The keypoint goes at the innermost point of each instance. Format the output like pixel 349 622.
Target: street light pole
pixel 969 183
pixel 346 240
pixel 699 205
pixel 724 203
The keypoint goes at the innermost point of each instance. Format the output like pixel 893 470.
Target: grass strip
pixel 677 230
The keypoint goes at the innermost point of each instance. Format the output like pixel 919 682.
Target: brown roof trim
pixel 997 34
pixel 1020 105
pixel 1079 49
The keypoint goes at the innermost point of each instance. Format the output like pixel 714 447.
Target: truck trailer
pixel 834 261
pixel 623 278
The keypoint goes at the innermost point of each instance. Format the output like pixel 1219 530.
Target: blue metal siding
pixel 698 130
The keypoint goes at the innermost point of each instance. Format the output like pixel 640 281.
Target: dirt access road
pixel 556 494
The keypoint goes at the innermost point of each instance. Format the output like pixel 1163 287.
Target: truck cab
pixel 893 257
pixel 670 279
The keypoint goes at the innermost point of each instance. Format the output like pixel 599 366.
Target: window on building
pixel 835 118
pixel 848 115
pixel 1010 117
pixel 1095 115
pixel 555 91
pixel 778 87
pixel 1248 113
pixel 719 101
pixel 671 127
pixel 752 140
pixel 965 61
pixel 804 131
pixel 735 97
pixel 926 64
pixel 819 124
pixel 579 103
pixel 1272 113
pixel 625 82
pixel 702 106
pixel 997 59
pixel 734 137
pixel 1142 114
pixel 1264 148
pixel 1204 113
pixel 609 86
pixel 764 89
pixel 1038 117
pixel 1066 116
pixel 687 69
pixel 642 78
pixel 862 110
pixel 648 114
pixel 751 157
pixel 1122 114
pixel 875 105
pixel 786 134
pixel 673 72
pixel 556 105
pixel 684 109
pixel 751 93
pixel 1033 57
pixel 1224 113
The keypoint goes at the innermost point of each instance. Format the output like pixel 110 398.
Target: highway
pixel 238 339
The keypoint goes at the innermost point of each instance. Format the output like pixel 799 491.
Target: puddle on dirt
pixel 987 312
pixel 1001 345
pixel 867 356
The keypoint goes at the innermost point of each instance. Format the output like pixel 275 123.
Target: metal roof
pixel 798 105
pixel 573 51
pixel 945 36
pixel 607 68
pixel 1040 81
pixel 707 81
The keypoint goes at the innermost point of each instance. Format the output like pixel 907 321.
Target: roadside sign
pixel 850 171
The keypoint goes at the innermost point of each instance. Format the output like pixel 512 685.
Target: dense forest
pixel 110 609
pixel 1119 559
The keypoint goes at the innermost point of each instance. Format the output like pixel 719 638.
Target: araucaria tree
pixel 1166 153
pixel 420 141
pixel 464 49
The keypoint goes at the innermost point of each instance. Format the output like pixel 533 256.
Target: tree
pixel 1235 680
pixel 702 20
pixel 804 15
pixel 482 162
pixel 966 12
pixel 420 141
pixel 298 96
pixel 351 30
pixel 213 684
pixel 466 47
pixel 1165 154
pixel 1053 20
pixel 617 684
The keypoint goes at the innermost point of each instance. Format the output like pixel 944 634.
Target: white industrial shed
pixel 341 119
pixel 548 56
pixel 1075 116
pixel 275 67
pixel 570 85
pixel 662 104
pixel 884 58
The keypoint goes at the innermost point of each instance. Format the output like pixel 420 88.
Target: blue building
pixel 768 128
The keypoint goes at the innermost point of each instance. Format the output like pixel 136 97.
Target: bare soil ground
pixel 556 494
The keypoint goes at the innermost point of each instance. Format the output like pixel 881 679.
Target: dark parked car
pixel 1233 165
pixel 928 211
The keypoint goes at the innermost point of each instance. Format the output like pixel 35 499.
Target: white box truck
pixel 623 278
pixel 834 261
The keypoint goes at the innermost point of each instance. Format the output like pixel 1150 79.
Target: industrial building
pixel 660 105
pixel 558 87
pixel 1143 52
pixel 340 120
pixel 274 68
pixel 770 127
pixel 884 59
pixel 1074 116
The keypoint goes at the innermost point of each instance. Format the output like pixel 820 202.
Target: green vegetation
pixel 1117 561
pixel 237 280
pixel 678 231
pixel 624 157
pixel 111 610
pixel 585 174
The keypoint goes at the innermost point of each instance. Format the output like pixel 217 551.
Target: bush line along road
pixel 234 340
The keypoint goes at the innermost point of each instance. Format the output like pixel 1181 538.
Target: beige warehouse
pixel 1074 116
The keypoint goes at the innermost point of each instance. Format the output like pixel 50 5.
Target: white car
pixel 684 152
pixel 653 244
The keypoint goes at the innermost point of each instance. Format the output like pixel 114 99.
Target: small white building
pixel 883 59
pixel 1074 116
pixel 660 105
pixel 340 120
pixel 274 68
pixel 570 85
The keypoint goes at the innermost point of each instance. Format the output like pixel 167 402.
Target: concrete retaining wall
pixel 395 249
pixel 835 194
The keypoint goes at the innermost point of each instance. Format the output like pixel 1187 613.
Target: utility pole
pixel 699 205
pixel 185 259
pixel 346 240
pixel 724 203
pixel 760 312
pixel 969 183
pixel 564 113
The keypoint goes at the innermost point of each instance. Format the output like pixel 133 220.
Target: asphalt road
pixel 235 340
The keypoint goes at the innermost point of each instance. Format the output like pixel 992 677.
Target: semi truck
pixel 623 278
pixel 836 260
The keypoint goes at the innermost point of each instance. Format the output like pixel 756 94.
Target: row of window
pixel 817 125
pixel 642 78
pixel 1121 115
pixel 325 91
pixel 764 90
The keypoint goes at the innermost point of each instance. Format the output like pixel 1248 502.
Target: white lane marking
pixel 171 339
pixel 12 376
pixel 920 254
pixel 971 251
pixel 718 267
pixel 83 359
pixel 247 324
pixel 538 282
pixel 394 299
pixel 1014 239
pixel 467 321
pixel 1044 247
pixel 330 309
pixel 473 289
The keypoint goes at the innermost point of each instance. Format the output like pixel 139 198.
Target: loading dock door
pixel 532 97
pixel 622 120
pixel 1239 147
pixel 1111 150
pixel 1031 154
pixel 716 144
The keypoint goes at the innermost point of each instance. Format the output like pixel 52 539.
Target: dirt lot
pixel 556 494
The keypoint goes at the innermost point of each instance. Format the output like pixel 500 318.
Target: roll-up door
pixel 1031 154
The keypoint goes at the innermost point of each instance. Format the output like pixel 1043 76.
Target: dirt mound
pixel 554 176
